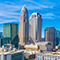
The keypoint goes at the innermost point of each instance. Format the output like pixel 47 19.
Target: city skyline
pixel 48 9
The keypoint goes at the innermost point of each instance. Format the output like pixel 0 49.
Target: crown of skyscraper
pixel 24 8
pixel 35 13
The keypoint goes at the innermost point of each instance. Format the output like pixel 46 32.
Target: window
pixel 55 58
pixel 24 20
pixel 5 57
pixel 45 58
pixel 38 58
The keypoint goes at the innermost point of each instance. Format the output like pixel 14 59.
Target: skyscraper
pixel 24 27
pixel 10 33
pixel 1 34
pixel 1 38
pixel 57 37
pixel 50 35
pixel 35 27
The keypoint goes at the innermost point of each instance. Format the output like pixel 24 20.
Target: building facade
pixel 1 34
pixel 10 34
pixel 50 35
pixel 35 27
pixel 45 46
pixel 48 56
pixel 57 37
pixel 16 55
pixel 24 27
pixel 1 38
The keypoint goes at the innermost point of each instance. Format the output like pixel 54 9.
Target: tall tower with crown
pixel 24 27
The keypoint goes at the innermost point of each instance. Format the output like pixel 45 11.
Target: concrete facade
pixel 48 56
pixel 50 35
pixel 35 27
pixel 24 27
pixel 45 46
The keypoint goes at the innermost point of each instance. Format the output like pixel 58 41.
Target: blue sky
pixel 49 9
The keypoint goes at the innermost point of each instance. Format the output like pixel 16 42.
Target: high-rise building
pixel 35 27
pixel 50 35
pixel 24 27
pixel 57 37
pixel 10 33
pixel 1 34
pixel 1 38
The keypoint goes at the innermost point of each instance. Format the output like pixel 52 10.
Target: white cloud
pixel 48 16
pixel 8 9
pixel 8 13
pixel 8 21
pixel 40 5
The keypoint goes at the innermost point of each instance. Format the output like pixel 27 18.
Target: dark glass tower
pixel 1 38
pixel 10 33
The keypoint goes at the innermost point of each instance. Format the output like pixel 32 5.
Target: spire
pixel 24 8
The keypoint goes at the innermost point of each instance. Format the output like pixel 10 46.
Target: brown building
pixel 35 27
pixel 24 27
pixel 50 35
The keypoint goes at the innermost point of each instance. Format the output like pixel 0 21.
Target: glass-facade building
pixel 1 34
pixel 1 38
pixel 17 56
pixel 10 33
pixel 12 56
pixel 57 37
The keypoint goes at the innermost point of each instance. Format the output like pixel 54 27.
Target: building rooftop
pixel 43 42
pixel 11 52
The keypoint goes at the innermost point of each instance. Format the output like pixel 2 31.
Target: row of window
pixel 44 58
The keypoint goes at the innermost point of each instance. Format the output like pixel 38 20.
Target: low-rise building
pixel 9 52
pixel 45 46
pixel 29 55
pixel 48 56
pixel 13 55
pixel 31 47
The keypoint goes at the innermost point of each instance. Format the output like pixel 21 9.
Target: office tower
pixel 10 34
pixel 1 34
pixel 50 35
pixel 35 27
pixel 1 38
pixel 24 27
pixel 57 37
